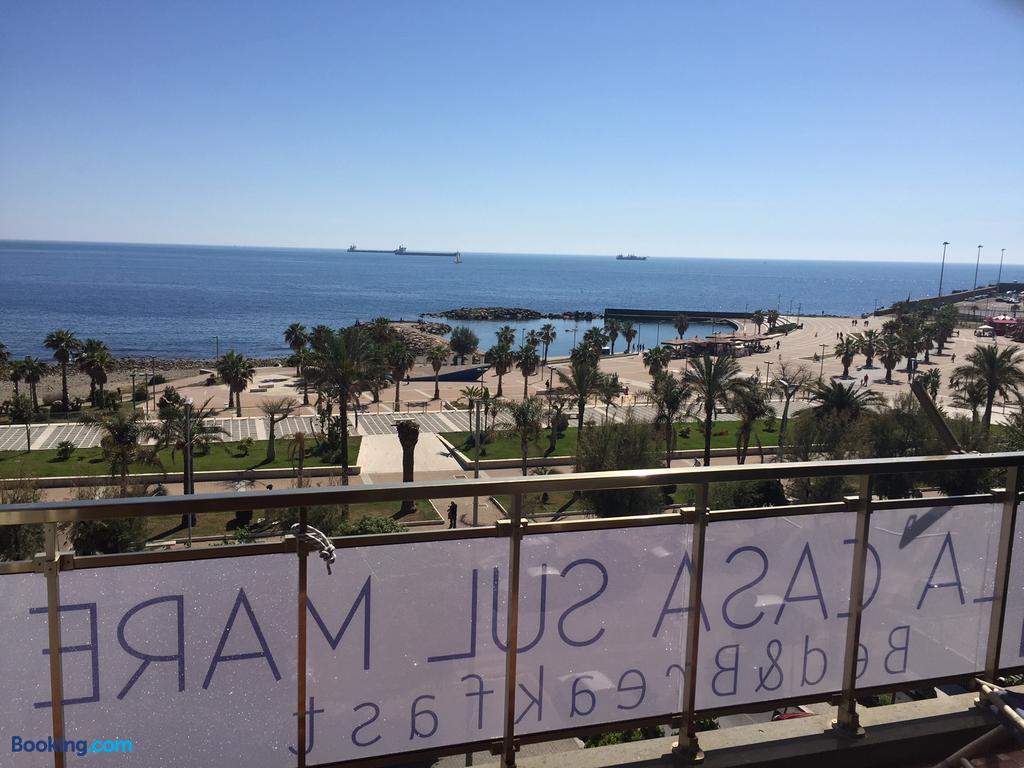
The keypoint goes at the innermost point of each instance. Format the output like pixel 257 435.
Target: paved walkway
pixel 382 455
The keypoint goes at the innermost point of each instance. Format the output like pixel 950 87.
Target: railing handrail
pixel 154 506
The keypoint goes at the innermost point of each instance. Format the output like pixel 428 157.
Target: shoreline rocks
pixel 510 313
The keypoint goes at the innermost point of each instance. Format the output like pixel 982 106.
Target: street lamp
pixel 657 342
pixel 134 373
pixel 216 341
pixel 476 459
pixel 942 269
pixel 574 329
pixel 821 374
pixel 976 265
pixel 999 279
pixel 768 373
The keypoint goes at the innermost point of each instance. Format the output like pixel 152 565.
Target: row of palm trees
pixel 91 356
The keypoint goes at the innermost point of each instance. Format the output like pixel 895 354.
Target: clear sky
pixel 811 129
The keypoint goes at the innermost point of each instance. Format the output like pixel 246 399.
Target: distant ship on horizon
pixel 630 257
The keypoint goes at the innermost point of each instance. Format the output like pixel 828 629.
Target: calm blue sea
pixel 171 301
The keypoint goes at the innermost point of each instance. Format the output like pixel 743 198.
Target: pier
pixel 403 251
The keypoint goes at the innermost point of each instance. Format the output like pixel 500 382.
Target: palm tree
pixel 527 361
pixel 472 393
pixel 594 340
pixel 506 335
pixel 889 353
pixel 670 396
pixel 94 361
pixel 340 370
pixel 175 430
pixel 712 382
pixel 296 338
pixel 837 399
pixel 772 317
pixel 532 338
pixel 867 343
pixel 15 376
pixel 238 372
pixel 124 433
pixel 656 360
pixel 21 412
pixel 629 332
pixel 525 420
pixel 757 318
pixel 400 360
pixel 680 323
pixel 32 371
pixel 65 346
pixel 611 328
pixel 502 358
pixel 945 323
pixel 582 381
pixel 320 336
pixel 437 356
pixel 609 392
pixel 970 396
pixel 547 336
pixel 1000 371
pixel 750 401
pixel 845 350
pixel 789 380
pixel 463 342
pixel 302 358
pixel 931 380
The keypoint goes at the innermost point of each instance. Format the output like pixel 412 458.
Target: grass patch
pixel 689 437
pixel 90 461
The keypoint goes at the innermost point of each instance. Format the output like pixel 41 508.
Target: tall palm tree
pixel 320 336
pixel 175 429
pixel 656 360
pixel 437 356
pixel 525 421
pixel 757 317
pixel 845 350
pixel 64 345
pixel 506 335
pixel 1000 371
pixel 532 338
pixel 296 338
pixel 971 397
pixel 502 359
pixel 123 442
pixel 527 361
pixel 237 371
pixel 400 359
pixel 671 396
pixel 751 403
pixel 889 352
pixel 340 368
pixel 94 361
pixel 712 382
pixel 836 399
pixel 609 392
pixel 547 336
pixel 629 332
pixel 594 340
pixel 867 343
pixel 32 371
pixel 611 328
pixel 681 323
pixel 15 375
pixel 463 342
pixel 301 359
pixel 772 318
pixel 582 381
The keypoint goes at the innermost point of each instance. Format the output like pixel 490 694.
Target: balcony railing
pixel 429 643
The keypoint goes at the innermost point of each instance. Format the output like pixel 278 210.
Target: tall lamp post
pixel 821 374
pixel 976 265
pixel 134 373
pixel 574 329
pixel 999 279
pixel 216 342
pixel 942 269
pixel 476 459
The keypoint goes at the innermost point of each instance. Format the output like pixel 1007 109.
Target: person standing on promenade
pixel 453 514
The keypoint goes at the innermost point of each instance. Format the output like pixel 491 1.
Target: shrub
pixel 141 393
pixel 244 446
pixel 157 380
pixel 64 450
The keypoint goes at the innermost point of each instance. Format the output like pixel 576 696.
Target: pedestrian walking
pixel 453 514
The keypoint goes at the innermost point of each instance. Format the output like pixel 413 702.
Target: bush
pixel 20 542
pixel 627 445
pixel 244 446
pixel 64 450
pixel 746 495
pixel 141 394
pixel 157 379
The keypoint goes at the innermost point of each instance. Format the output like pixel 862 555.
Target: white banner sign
pixel 195 662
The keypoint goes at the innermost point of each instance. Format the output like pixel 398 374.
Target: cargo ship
pixel 630 257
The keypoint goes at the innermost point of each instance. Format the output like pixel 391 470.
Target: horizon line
pixel 4 240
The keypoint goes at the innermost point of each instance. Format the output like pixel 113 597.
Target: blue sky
pixel 853 130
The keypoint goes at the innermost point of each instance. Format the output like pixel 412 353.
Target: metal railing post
pixel 687 749
pixel 847 721
pixel 51 571
pixel 300 671
pixel 508 746
pixel 1001 586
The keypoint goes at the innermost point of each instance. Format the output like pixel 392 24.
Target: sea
pixel 187 301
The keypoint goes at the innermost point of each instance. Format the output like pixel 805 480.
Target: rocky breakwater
pixel 422 336
pixel 511 313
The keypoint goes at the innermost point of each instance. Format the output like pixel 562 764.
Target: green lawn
pixel 89 461
pixel 690 437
